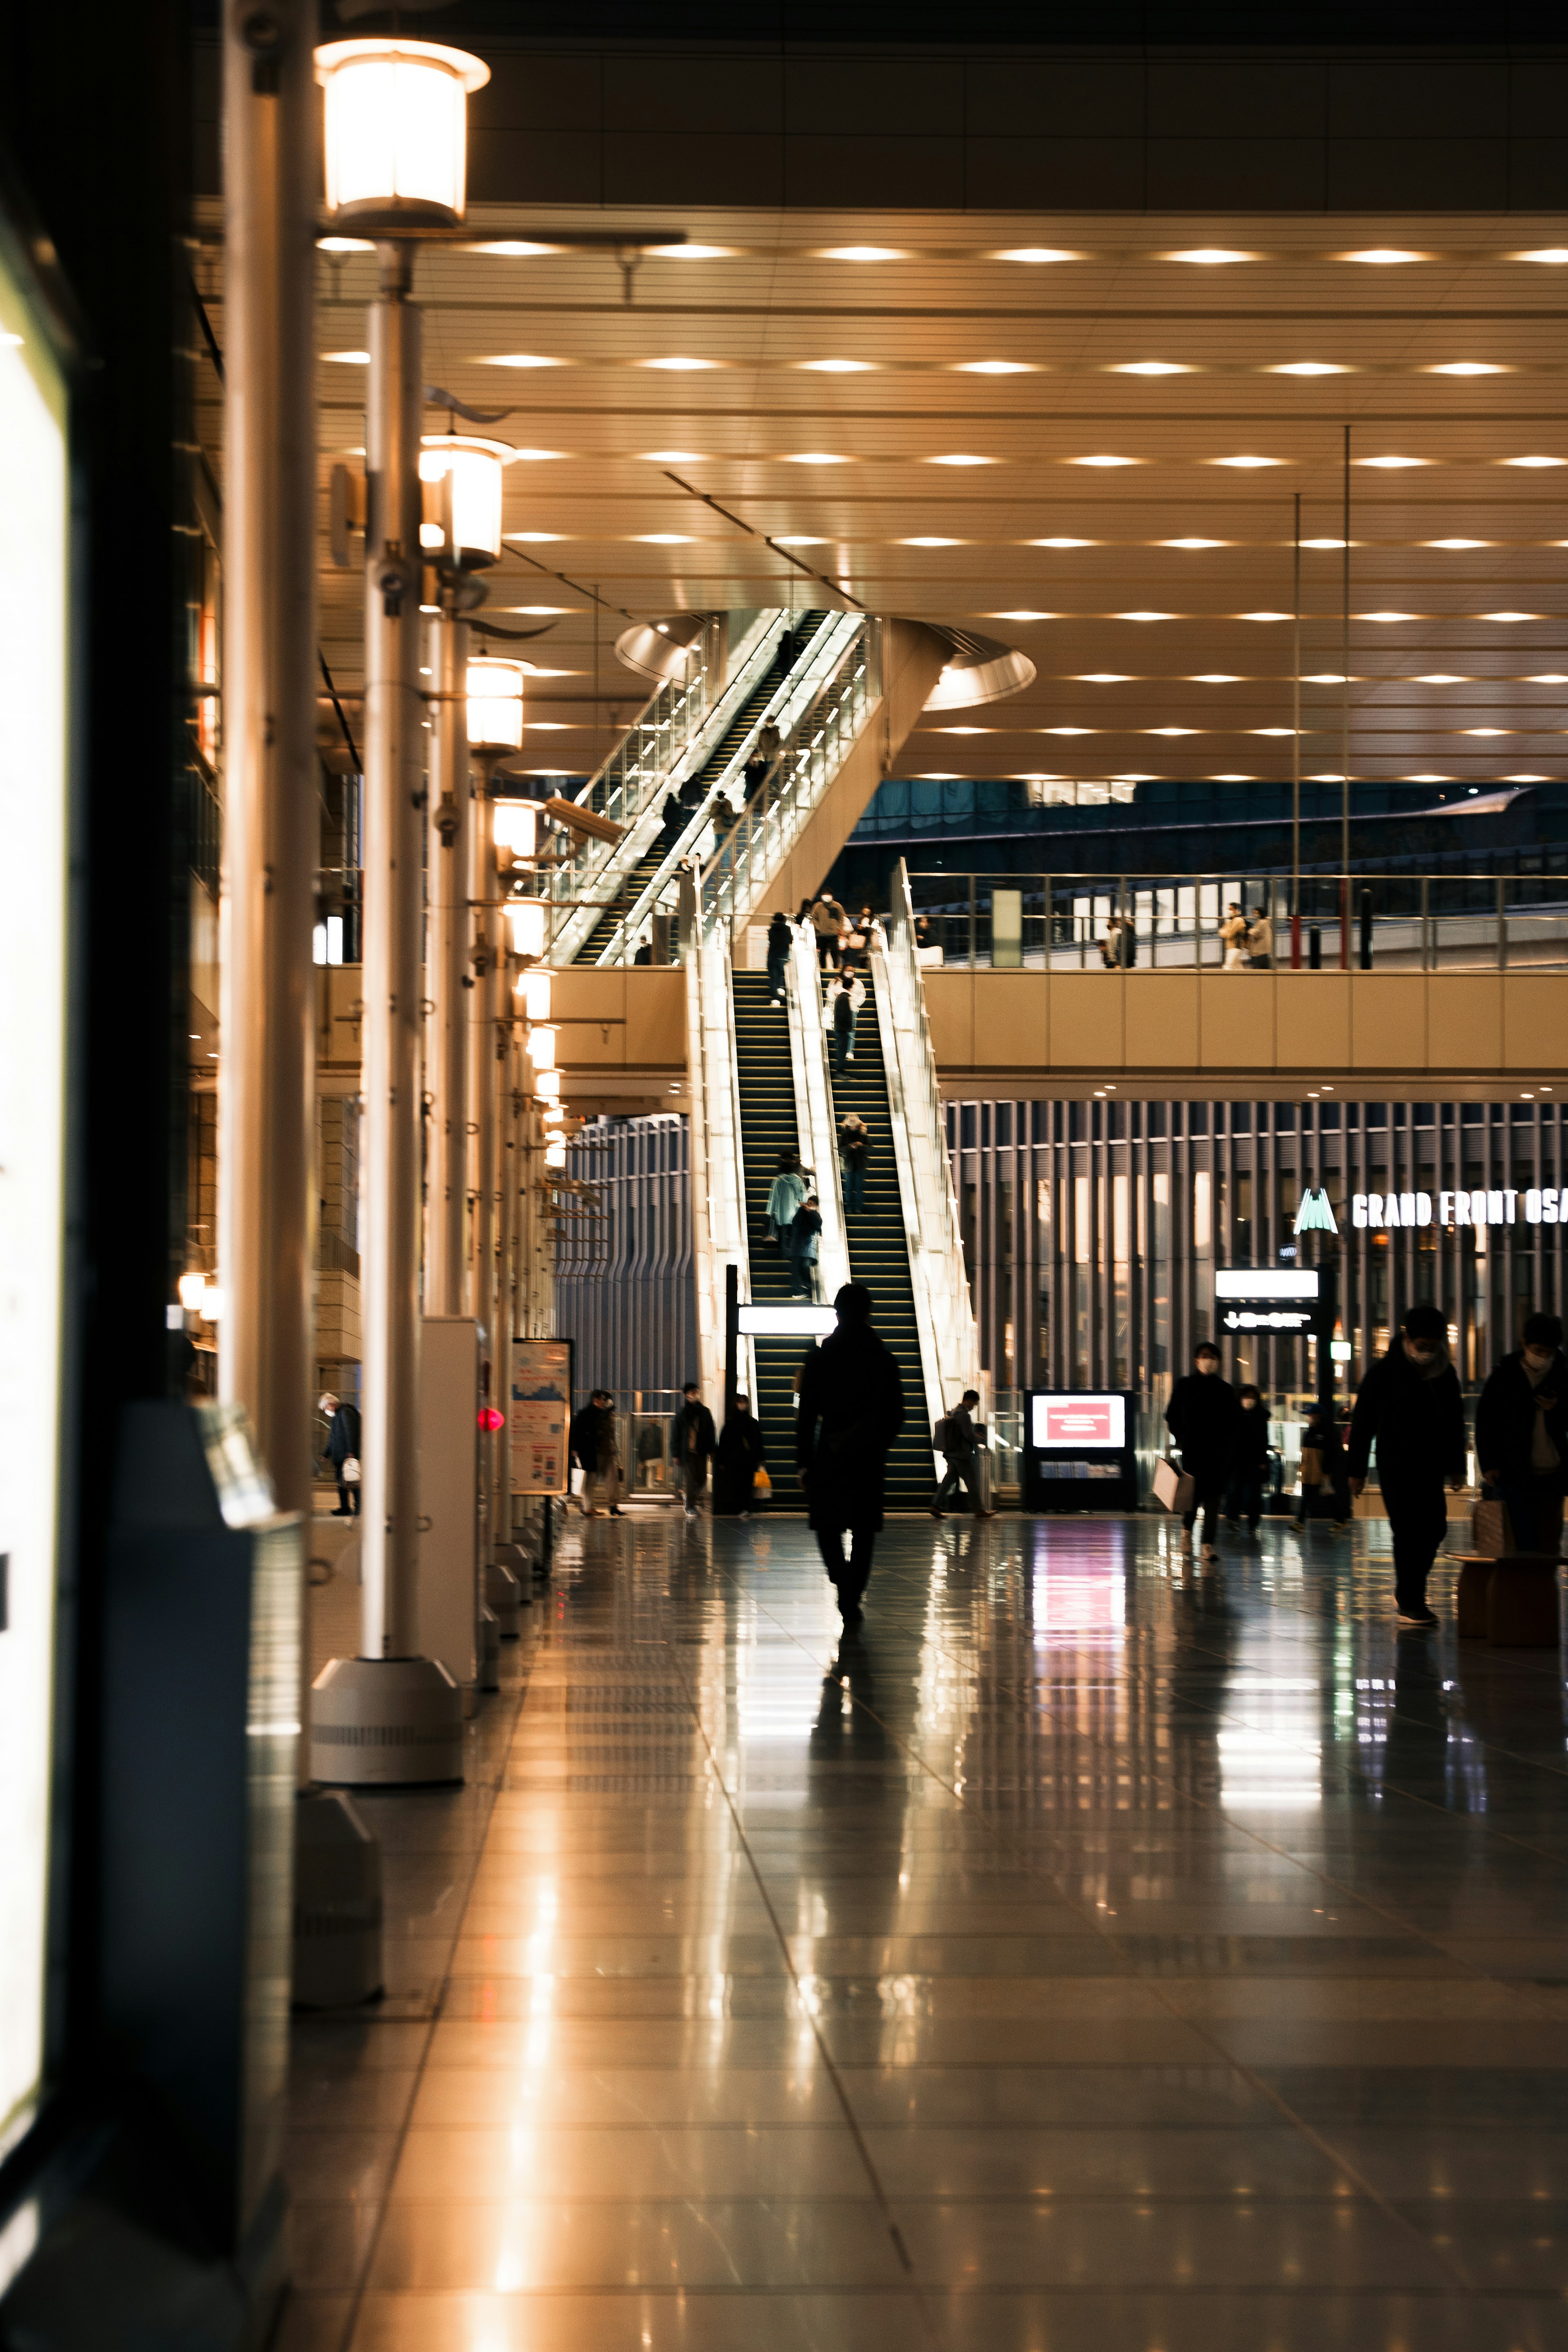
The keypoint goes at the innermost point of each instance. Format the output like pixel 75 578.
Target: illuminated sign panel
pixel 1266 1298
pixel 783 1322
pixel 33 871
pixel 1062 1423
pixel 1385 1211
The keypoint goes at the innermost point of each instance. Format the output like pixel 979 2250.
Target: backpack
pixel 942 1435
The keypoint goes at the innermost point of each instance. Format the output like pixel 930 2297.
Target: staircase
pixel 768 1126
pixel 631 885
pixel 879 1255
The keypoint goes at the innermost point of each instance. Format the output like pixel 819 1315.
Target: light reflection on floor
pixel 1092 1953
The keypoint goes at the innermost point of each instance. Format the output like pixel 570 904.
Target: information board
pixel 539 1416
pixel 1069 1424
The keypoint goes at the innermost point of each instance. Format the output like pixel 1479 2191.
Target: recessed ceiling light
pixel 1324 678
pixel 798 539
pixel 537 611
pixel 1270 730
pixel 1307 367
pixel 1170 730
pixel 1486 730
pixel 931 542
pixel 1459 543
pixel 663 537
pixel 1391 465
pixel 1061 542
pixel 362 245
pixel 534 454
pixel 693 252
pixel 1067 731
pixel 960 458
pixel 1548 677
pixel 995 367
pixel 547 726
pixel 1216 678
pixel 534 538
pixel 1037 253
pixel 1510 617
pixel 1105 461
pixel 1382 254
pixel 937 776
pixel 1263 616
pixel 511 247
pixel 813 457
pixel 863 253
pixel 1020 616
pixel 1388 617
pixel 1440 678
pixel 1530 780
pixel 522 360
pixel 1145 616
pixel 1557 254
pixel 1322 542
pixel 1193 542
pixel 1428 779
pixel 1209 257
pixel 673 457
pixel 960 731
pixel 838 367
pixel 1532 461
pixel 1105 677
pixel 348 359
pixel 676 365
pixel 1246 461
pixel 1150 367
pixel 1465 367
pixel 1233 780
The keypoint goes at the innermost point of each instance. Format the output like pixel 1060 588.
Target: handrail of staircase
pixel 814 1104
pixel 800 686
pixel 656 754
pixel 825 713
pixel 718 1168
pixel 941 1298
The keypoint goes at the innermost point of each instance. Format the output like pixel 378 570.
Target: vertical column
pixel 266 1076
pixel 487 953
pixel 509 1164
pixel 390 1241
pixel 448 854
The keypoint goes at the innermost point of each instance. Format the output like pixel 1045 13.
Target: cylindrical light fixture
pixel 397 131
pixel 541 1048
pixel 212 1302
pixel 516 826
pixel 526 917
pixel 470 533
pixel 192 1288
pixel 555 1152
pixel 546 1083
pixel 494 691
pixel 533 988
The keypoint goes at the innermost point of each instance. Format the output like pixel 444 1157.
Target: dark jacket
pixel 1251 1441
pixel 1506 1418
pixel 850 1412
pixel 779 940
pixel 693 1420
pixel 804 1228
pixel 343 1434
pixel 1202 1417
pixel 1419 1423
pixel 854 1146
pixel 742 1448
pixel 843 1014
pixel 592 1432
pixel 961 1439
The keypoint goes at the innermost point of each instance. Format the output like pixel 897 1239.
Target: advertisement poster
pixel 540 1415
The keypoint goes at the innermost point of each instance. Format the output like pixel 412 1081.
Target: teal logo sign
pixel 1315 1215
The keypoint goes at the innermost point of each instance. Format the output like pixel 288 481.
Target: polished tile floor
pixel 1086 1957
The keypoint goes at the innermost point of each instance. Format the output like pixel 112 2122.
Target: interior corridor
pixel 1086 1954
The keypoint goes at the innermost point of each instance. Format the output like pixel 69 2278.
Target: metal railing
pixel 718 1167
pixel 949 1353
pixel 1384 922
pixel 829 697
pixel 818 1142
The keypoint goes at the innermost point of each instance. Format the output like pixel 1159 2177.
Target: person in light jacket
pixel 785 1195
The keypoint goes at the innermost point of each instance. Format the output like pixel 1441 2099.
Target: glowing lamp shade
pixel 470 507
pixel 517 824
pixel 526 917
pixel 192 1288
pixel 555 1152
pixel 533 988
pixel 494 691
pixel 548 1084
pixel 397 130
pixel 541 1048
pixel 212 1302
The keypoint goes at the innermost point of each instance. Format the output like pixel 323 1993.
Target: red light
pixel 490 1419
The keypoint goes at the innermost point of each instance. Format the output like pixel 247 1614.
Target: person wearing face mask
pixel 1521 1434
pixel 1410 1402
pixel 1204 1418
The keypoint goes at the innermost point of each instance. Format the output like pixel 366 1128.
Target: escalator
pixel 631 883
pixel 879 1257
pixel 768 1124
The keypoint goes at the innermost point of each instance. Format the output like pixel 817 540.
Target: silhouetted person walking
pixel 1521 1434
pixel 1410 1402
pixel 1202 1417
pixel 850 1409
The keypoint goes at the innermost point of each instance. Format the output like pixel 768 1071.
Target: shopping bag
pixel 349 1473
pixel 1174 1489
pixel 1311 1469
pixel 761 1486
pixel 579 1479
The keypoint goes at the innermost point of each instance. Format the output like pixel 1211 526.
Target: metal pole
pixel 1344 695
pixel 391 985
pixel 266 1082
pixel 508 1159
pixel 486 952
pixel 1296 757
pixel 446 1053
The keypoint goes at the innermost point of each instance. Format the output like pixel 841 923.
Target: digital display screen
pixel 1059 1424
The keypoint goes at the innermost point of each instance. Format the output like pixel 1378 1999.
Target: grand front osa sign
pixel 1504 1205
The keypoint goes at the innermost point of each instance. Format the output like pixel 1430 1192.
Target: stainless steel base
pixel 386 1723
